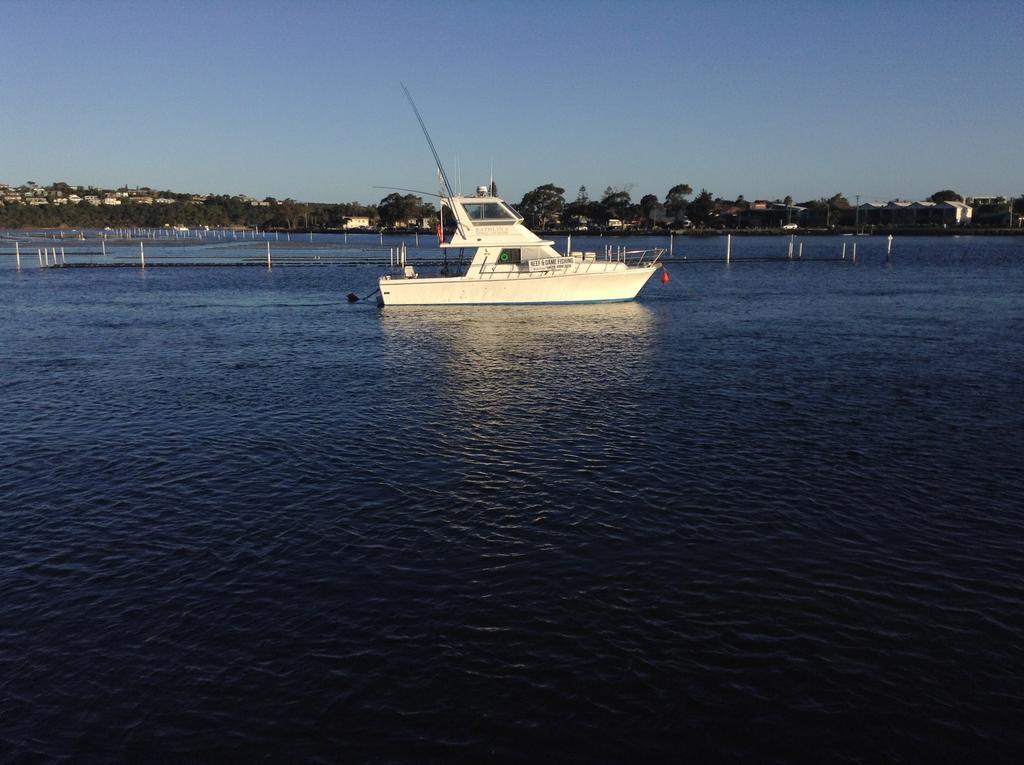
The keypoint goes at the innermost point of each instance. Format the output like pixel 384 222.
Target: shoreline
pixel 707 232
pixel 686 232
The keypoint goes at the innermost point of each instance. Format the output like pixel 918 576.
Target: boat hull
pixel 595 287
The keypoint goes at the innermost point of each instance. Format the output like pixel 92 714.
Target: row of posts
pixel 155 233
pixel 800 249
pixel 789 251
pixel 45 253
pixel 398 254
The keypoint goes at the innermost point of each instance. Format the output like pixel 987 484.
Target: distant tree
pixel 290 212
pixel 395 209
pixel 701 209
pixel 616 202
pixel 578 209
pixel 833 207
pixel 647 204
pixel 676 200
pixel 742 205
pixel 543 206
pixel 946 195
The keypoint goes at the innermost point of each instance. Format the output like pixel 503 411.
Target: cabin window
pixel 510 256
pixel 481 211
pixel 449 224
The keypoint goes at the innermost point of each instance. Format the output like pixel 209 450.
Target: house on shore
pixel 762 213
pixel 355 221
pixel 899 212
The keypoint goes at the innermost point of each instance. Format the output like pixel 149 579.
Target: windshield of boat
pixel 489 211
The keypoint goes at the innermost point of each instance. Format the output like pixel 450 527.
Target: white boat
pixel 508 263
pixel 511 264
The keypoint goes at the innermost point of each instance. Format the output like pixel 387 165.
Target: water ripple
pixel 781 520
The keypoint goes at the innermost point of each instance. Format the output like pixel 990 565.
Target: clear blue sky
pixel 302 100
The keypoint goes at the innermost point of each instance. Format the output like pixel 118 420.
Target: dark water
pixel 772 512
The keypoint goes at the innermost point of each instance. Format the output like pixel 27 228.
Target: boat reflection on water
pixel 511 368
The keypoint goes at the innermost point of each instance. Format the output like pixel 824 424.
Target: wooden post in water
pixel 728 247
pixel 854 252
pixel 888 250
pixel 789 253
pixel 800 252
pixel 39 254
pixel 269 266
pixel 844 250
pixel 142 255
pixel 671 238
pixel 17 256
pixel 62 259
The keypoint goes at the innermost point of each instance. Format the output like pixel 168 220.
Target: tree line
pixel 214 211
pixel 544 207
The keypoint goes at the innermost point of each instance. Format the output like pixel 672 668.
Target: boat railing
pixel 564 264
pixel 633 258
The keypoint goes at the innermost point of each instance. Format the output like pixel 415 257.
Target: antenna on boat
pixel 430 143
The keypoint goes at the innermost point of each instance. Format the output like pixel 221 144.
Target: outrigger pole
pixel 437 159
pixel 430 143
